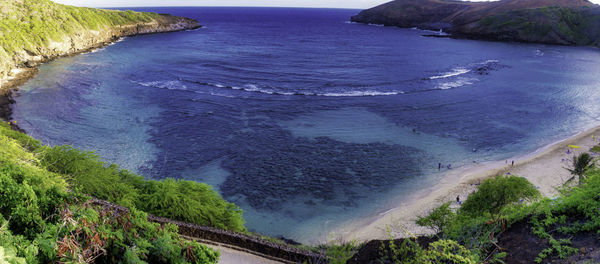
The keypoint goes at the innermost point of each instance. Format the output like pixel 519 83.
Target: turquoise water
pixel 306 120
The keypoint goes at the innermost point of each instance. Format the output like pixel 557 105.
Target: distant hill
pixel 34 31
pixel 563 22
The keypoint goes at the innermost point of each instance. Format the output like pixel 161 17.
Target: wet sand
pixel 545 168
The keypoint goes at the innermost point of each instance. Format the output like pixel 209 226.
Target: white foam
pixel 454 84
pixel 360 93
pixel 454 72
pixel 255 88
pixel 169 85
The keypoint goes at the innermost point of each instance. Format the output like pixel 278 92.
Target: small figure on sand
pixel 449 166
pixel 458 199
pixel 512 164
pixel 439 166
pixel 568 151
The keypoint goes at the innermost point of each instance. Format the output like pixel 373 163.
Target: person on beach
pixel 439 166
pixel 458 199
pixel 512 164
pixel 449 166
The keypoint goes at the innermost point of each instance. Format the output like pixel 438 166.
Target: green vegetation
pixel 180 200
pixel 496 193
pixel 467 235
pixel 30 25
pixel 45 215
pixel 438 219
pixel 581 164
pixel 341 252
pixel 568 25
pixel 440 251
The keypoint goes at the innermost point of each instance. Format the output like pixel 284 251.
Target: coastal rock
pixel 82 37
pixel 562 22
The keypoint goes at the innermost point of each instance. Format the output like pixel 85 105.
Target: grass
pixel 45 217
pixel 28 26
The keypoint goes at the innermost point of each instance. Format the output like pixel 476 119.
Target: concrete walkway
pixel 231 256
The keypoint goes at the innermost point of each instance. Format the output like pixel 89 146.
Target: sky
pixel 359 4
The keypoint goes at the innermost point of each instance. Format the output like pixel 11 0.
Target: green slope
pixel 38 30
pixel 45 216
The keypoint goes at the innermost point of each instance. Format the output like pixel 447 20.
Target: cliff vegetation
pixel 46 215
pixel 563 22
pixel 33 31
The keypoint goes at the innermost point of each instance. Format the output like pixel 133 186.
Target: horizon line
pixel 304 7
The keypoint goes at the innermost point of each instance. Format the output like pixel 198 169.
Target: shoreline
pixel 544 168
pixel 20 75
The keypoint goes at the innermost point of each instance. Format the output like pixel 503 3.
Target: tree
pixel 581 164
pixel 438 219
pixel 496 193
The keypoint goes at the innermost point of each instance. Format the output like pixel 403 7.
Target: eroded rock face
pixel 563 22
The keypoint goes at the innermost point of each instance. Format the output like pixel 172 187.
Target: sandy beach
pixel 545 168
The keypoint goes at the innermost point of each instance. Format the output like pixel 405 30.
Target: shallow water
pixel 306 120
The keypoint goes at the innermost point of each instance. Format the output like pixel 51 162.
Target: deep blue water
pixel 304 119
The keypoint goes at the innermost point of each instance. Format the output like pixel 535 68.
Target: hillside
pixel 45 216
pixel 563 22
pixel 35 31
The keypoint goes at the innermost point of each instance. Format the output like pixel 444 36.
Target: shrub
pixel 438 219
pixel 180 200
pixel 440 251
pixel 448 251
pixel 190 201
pixel 497 192
pixel 341 253
pixel 42 221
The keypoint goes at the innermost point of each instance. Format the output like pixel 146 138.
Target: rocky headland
pixel 37 31
pixel 561 22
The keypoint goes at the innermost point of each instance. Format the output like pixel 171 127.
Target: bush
pixel 191 202
pixel 341 253
pixel 497 192
pixel 44 220
pixel 438 219
pixel 440 251
pixel 448 251
pixel 180 200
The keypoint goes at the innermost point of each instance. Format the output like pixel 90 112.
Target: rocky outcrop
pixel 22 65
pixel 563 22
pixel 86 40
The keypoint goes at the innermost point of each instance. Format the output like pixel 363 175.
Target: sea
pixel 304 119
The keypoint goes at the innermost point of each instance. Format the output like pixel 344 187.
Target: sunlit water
pixel 306 120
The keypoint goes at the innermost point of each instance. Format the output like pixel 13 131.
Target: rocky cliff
pixel 35 31
pixel 563 22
